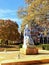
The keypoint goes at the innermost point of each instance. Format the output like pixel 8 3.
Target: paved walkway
pixel 16 56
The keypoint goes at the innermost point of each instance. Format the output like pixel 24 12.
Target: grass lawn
pixel 43 46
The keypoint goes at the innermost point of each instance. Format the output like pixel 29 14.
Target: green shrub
pixel 45 46
pixel 20 45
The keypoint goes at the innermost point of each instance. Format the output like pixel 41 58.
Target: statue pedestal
pixel 30 50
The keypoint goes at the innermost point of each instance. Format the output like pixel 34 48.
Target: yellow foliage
pixel 36 8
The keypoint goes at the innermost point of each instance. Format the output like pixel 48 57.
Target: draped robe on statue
pixel 27 37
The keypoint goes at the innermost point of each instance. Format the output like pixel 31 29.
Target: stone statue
pixel 27 37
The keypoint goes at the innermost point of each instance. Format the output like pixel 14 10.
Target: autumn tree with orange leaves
pixel 9 30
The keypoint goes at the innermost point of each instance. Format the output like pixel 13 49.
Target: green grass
pixel 43 46
pixel 20 45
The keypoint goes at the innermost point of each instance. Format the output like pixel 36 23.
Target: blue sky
pixel 8 9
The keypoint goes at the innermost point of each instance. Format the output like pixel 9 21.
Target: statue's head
pixel 26 26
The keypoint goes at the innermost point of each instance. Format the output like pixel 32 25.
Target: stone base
pixel 29 51
pixel 23 51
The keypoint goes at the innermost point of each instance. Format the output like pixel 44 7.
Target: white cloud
pixel 5 12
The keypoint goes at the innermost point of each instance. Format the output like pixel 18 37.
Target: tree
pixel 35 11
pixel 9 30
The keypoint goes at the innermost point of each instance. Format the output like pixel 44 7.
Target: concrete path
pixel 16 56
